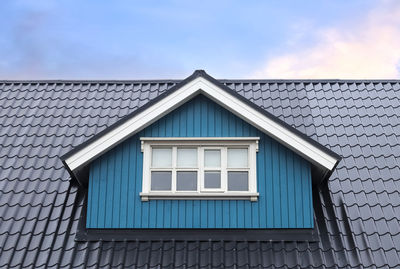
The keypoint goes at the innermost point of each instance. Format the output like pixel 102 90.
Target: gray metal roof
pixel 357 212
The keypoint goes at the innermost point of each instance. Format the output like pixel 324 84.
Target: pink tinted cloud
pixel 365 49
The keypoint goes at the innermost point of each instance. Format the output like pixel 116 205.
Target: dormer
pixel 199 157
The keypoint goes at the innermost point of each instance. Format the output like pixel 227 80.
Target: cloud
pixel 365 49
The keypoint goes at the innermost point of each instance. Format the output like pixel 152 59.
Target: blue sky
pixel 70 39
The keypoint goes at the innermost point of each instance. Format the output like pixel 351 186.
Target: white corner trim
pixel 142 146
pixel 186 92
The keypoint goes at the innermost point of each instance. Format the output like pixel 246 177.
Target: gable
pixel 283 178
pixel 76 160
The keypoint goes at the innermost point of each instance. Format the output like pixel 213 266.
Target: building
pixel 200 173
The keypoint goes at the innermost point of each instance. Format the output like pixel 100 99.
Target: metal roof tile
pixel 39 207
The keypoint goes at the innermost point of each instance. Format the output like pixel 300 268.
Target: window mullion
pixel 252 168
pixel 200 165
pixel 174 156
pixel 224 174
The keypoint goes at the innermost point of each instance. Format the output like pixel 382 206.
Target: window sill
pixel 199 196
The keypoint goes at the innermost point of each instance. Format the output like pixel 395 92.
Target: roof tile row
pixel 357 213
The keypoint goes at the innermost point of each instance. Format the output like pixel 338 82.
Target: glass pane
pixel 161 158
pixel 237 158
pixel 161 180
pixel 238 181
pixel 187 158
pixel 186 181
pixel 212 158
pixel 212 180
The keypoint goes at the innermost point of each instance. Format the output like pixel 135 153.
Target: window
pixel 199 168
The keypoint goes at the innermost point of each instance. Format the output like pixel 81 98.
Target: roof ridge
pixel 122 81
pixel 78 81
pixel 309 80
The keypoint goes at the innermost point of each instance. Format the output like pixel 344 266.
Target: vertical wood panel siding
pixel 283 180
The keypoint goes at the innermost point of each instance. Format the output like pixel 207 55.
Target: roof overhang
pixel 199 83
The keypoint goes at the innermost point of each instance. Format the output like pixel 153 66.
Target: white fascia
pixel 180 96
pixel 268 126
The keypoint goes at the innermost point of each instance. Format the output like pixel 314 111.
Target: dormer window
pixel 199 168
pixel 200 156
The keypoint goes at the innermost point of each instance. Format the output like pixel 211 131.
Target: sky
pixel 309 39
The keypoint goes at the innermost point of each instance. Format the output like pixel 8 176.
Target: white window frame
pixel 201 143
pixel 221 168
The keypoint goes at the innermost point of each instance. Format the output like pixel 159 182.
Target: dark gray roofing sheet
pixel 357 213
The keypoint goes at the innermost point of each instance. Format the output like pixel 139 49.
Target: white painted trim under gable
pixel 199 141
pixel 186 92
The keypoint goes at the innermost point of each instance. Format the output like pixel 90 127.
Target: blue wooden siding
pixel 283 180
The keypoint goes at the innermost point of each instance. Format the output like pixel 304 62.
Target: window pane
pixel 187 158
pixel 238 181
pixel 237 158
pixel 186 181
pixel 212 158
pixel 212 180
pixel 161 180
pixel 161 157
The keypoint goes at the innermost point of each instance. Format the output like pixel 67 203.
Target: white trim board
pixel 202 196
pixel 200 85
pixel 200 141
